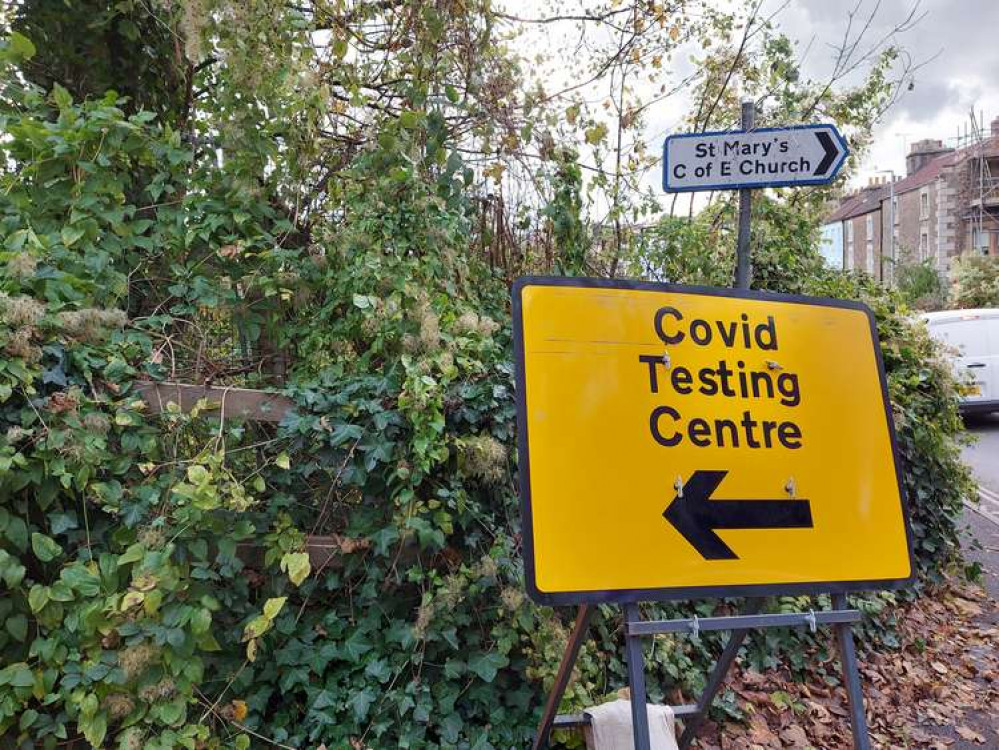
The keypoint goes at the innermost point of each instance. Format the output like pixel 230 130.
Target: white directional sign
pixel 766 157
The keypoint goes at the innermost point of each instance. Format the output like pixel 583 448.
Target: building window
pixel 849 231
pixel 924 203
pixel 870 227
pixel 895 209
pixel 980 241
pixel 870 257
pixel 924 245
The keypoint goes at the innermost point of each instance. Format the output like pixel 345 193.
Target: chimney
pixel 995 127
pixel 922 152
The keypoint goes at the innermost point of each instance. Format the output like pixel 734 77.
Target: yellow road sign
pixel 684 441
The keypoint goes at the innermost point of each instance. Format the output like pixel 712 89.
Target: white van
pixel 974 334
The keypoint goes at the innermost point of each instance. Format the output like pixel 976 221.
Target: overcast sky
pixel 957 37
pixel 956 42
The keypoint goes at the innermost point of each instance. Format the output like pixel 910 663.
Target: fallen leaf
pixel 968 733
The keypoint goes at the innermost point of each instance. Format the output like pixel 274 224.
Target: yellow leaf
pixel 239 710
pixel 132 599
pixel 297 566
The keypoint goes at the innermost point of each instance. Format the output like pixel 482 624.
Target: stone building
pixel 945 206
pixel 859 215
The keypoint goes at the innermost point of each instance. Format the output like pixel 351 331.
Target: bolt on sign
pixel 685 441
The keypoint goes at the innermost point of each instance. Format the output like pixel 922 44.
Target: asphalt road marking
pixel 988 504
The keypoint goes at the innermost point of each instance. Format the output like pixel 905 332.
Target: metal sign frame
pixel 693 715
pixel 820 180
pixel 684 592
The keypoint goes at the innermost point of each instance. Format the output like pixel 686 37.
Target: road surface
pixel 983 457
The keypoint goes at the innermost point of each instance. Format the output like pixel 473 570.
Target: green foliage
pixel 564 211
pixel 158 585
pixel 922 286
pixel 976 282
pixel 92 46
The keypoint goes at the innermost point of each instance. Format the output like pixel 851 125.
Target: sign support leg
pixel 731 650
pixel 583 616
pixel 636 679
pixel 742 264
pixel 851 678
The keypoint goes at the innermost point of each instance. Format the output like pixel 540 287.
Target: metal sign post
pixel 635 628
pixel 743 268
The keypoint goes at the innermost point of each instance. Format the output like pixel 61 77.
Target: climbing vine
pixel 273 212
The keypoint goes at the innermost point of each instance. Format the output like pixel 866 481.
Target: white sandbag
pixel 610 727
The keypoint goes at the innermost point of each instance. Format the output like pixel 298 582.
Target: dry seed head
pixel 96 422
pixel 161 691
pixel 487 326
pixel 131 739
pixel 512 598
pixel 467 323
pixel 91 324
pixel 487 567
pixel 22 266
pixel 16 434
pixel 423 617
pixel 21 311
pixel 430 329
pixel 118 705
pixel 152 537
pixel 20 346
pixel 134 660
pixel 193 19
pixel 483 457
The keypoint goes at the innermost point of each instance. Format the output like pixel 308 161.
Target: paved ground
pixel 982 545
pixel 983 521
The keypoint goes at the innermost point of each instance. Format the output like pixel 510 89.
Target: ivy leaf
pixel 16 532
pixel 70 234
pixel 133 554
pixel 79 578
pixel 20 45
pixel 11 569
pixel 282 461
pixel 361 703
pixel 485 666
pixel 38 597
pixel 17 626
pixel 356 646
pixel 201 620
pixel 324 699
pixel 45 548
pixel 297 566
pixel 379 669
pixel 17 675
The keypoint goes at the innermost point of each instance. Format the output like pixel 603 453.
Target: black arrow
pixel 831 149
pixel 696 516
